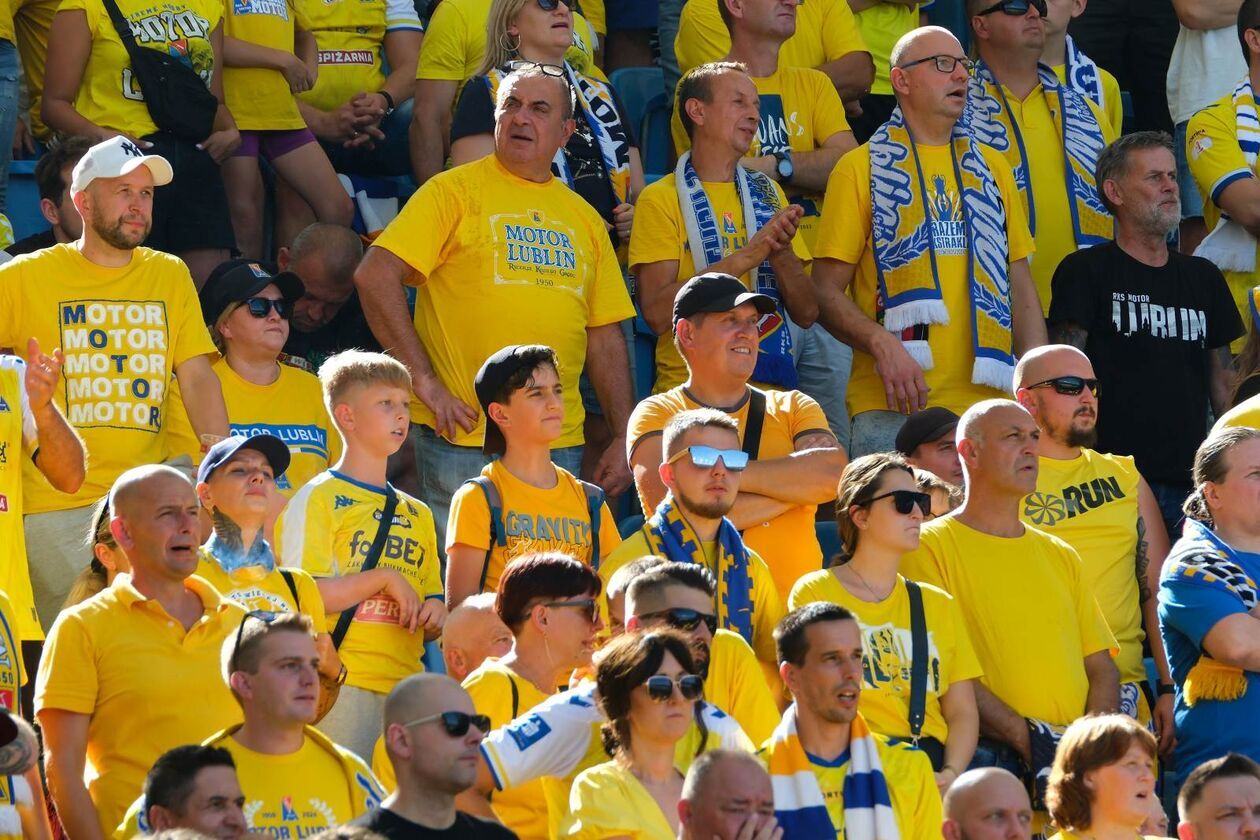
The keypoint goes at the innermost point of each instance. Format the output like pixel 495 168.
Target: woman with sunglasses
pixel 879 509
pixel 648 688
pixel 601 160
pixel 248 310
pixel 550 602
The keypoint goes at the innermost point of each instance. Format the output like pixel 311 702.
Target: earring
pixel 505 42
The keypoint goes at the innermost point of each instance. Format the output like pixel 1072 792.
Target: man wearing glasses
pixel 1050 133
pixel 922 260
pixel 1101 506
pixel 432 736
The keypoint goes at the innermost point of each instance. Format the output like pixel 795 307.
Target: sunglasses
pixel 661 688
pixel 260 307
pixel 550 6
pixel 734 460
pixel 1015 7
pixel 684 619
pixel 590 605
pixel 265 616
pixel 904 501
pixel 455 723
pixel 944 63
pixel 546 69
pixel 1069 386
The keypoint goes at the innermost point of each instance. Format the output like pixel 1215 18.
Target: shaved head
pixel 922 42
pixel 418 696
pixel 987 804
pixel 985 416
pixel 997 444
pixel 472 633
pixel 134 489
pixel 1049 361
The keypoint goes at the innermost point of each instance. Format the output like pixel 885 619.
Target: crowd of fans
pixel 317 512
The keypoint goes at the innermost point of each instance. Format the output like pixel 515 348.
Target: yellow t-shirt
pixel 1043 142
pixel 110 96
pixel 788 542
pixel 31 21
pixel 350 36
pixel 503 695
pixel 292 409
pixel 1246 413
pixel 18 440
pixel 1113 105
pixel 12 678
pixel 846 235
pixel 736 684
pixel 146 683
pixel 825 31
pixel 1216 161
pixel 1013 593
pixel 1091 503
pixel 767 606
pixel 123 330
pixel 800 110
pixel 255 590
pixel 888 651
pixel 660 234
pixel 327 529
pixel 606 801
pixel 259 97
pixel 534 519
pixel 882 25
pixel 501 260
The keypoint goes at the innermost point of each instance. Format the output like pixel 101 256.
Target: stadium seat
pixel 22 203
pixel 829 539
pixel 1126 100
pixel 952 15
pixel 636 86
pixel 630 525
pixel 655 144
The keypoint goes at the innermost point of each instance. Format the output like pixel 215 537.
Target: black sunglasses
pixel 1015 7
pixel 265 616
pixel 1069 386
pixel 904 501
pixel 259 307
pixel 455 723
pixel 684 619
pixel 550 5
pixel 660 687
pixel 590 605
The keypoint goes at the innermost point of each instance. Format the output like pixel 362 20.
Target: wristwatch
pixel 389 101
pixel 783 166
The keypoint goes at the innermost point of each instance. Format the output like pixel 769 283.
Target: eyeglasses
pixel 546 69
pixel 1069 386
pixel 734 460
pixel 661 688
pixel 455 723
pixel 1014 7
pixel 260 307
pixel 265 616
pixel 684 619
pixel 944 63
pixel 904 501
pixel 550 5
pixel 591 605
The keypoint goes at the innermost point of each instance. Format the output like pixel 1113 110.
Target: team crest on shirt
pixel 343 501
pixel 728 224
pixel 4 503
pixel 289 818
pixel 4 405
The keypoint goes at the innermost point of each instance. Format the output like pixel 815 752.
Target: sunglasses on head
pixel 265 616
pixel 546 69
pixel 260 307
pixel 589 605
pixel 455 723
pixel 684 619
pixel 1015 7
pixel 734 460
pixel 1069 386
pixel 904 501
pixel 661 688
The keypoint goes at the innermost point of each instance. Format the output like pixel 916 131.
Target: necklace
pixel 866 585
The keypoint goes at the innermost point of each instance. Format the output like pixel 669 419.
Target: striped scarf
pixel 669 535
pixel 798 800
pixel 1083 76
pixel 903 236
pixel 988 118
pixel 1230 246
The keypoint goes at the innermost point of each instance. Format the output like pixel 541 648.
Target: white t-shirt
pixel 1206 64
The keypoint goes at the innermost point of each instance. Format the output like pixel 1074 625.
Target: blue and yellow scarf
pixel 905 250
pixel 669 535
pixel 988 119
pixel 1083 76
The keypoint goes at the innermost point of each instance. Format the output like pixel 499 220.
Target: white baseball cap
pixel 114 158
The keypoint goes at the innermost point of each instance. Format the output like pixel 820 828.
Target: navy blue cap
pixel 271 447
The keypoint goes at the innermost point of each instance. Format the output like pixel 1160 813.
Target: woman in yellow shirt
pixel 879 509
pixel 648 688
pixel 1102 784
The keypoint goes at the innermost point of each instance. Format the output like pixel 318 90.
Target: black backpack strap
pixel 289 581
pixel 919 654
pixel 756 419
pixel 595 507
pixel 369 562
pixel 498 532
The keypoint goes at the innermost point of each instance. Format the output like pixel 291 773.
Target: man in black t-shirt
pixel 1156 324
pixel 432 736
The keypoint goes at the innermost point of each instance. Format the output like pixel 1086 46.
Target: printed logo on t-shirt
pixel 949 231
pixel 527 731
pixel 4 405
pixel 728 224
pixel 274 8
pixel 1045 509
pixel 887 659
pixel 365 58
pixel 527 533
pixel 533 250
pixel 1134 313
pixel 775 129
pixel 257 598
pixel 186 39
pixel 288 818
pixel 4 452
pixel 300 437
pixel 4 503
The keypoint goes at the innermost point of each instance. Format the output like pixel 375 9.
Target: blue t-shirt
pixel 1188 609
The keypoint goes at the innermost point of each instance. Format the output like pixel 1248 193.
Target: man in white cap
pixel 128 321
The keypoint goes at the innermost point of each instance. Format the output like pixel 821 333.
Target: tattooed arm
pixel 1152 548
pixel 1068 333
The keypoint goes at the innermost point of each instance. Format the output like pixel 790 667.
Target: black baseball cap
pixel 494 375
pixel 717 292
pixel 925 426
pixel 240 279
pixel 271 447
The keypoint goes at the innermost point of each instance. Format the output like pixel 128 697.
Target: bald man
pixel 727 796
pixel 432 736
pixel 134 671
pixel 1101 506
pixel 917 344
pixel 987 804
pixel 472 633
pixel 1037 630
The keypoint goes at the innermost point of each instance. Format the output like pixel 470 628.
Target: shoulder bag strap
pixel 756 418
pixel 594 506
pixel 287 574
pixel 123 27
pixel 918 660
pixel 369 562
